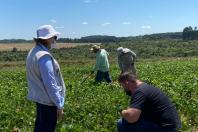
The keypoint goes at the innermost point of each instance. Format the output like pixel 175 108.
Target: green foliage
pixel 13 56
pixel 96 107
pixel 143 49
pixel 190 34
pixel 160 36
pixel 153 49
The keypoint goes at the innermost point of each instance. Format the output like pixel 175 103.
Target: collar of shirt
pixel 43 47
pixel 98 52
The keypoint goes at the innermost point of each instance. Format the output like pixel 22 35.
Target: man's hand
pixel 60 114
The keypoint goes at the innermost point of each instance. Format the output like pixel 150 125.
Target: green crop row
pixel 143 49
pixel 96 107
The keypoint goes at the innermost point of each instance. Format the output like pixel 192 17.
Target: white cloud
pixel 53 21
pixel 126 23
pixel 146 27
pixel 60 27
pixel 84 23
pixel 106 23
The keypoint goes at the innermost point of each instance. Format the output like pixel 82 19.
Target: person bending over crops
pixel 102 64
pixel 150 109
pixel 45 83
pixel 126 60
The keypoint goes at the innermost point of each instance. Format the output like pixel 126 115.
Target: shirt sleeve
pixel 97 65
pixel 133 53
pixel 107 53
pixel 133 56
pixel 48 77
pixel 138 100
pixel 119 62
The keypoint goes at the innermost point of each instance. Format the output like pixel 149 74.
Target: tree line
pixel 105 38
pixel 190 34
pixel 87 39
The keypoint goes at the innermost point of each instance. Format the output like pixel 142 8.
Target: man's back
pixel 155 106
pixel 102 62
pixel 126 62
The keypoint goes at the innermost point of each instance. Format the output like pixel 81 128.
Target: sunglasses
pixel 55 37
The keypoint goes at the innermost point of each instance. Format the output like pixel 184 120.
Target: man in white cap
pixel 102 64
pixel 46 86
pixel 126 60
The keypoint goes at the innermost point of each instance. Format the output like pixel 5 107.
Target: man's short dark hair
pixel 38 40
pixel 127 76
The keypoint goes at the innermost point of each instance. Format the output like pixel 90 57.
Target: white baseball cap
pixel 120 49
pixel 95 47
pixel 46 32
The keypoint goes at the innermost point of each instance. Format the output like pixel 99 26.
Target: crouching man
pixel 150 109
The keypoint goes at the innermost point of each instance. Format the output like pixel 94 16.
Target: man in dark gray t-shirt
pixel 150 109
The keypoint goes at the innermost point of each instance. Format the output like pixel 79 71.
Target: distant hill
pixel 106 38
pixel 15 41
pixel 157 36
pixel 90 39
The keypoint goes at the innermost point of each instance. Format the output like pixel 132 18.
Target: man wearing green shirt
pixel 102 64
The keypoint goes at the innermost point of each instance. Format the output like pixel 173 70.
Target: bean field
pixel 96 107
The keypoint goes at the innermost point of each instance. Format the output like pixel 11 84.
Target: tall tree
pixel 187 33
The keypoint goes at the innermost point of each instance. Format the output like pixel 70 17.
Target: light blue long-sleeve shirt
pixel 102 63
pixel 48 77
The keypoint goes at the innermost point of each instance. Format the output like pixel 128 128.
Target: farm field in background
pixel 28 46
pixel 96 107
pixel 146 49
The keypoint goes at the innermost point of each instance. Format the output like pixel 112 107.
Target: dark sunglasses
pixel 55 37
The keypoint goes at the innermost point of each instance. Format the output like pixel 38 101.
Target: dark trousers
pixel 141 126
pixel 46 118
pixel 103 75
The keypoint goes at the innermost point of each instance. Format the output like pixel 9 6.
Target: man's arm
pixel 120 62
pixel 49 81
pixel 47 74
pixel 133 56
pixel 131 114
pixel 97 65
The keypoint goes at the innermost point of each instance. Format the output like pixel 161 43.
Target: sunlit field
pixel 91 107
pixel 170 65
pixel 28 46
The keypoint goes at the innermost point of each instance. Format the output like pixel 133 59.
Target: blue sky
pixel 78 18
